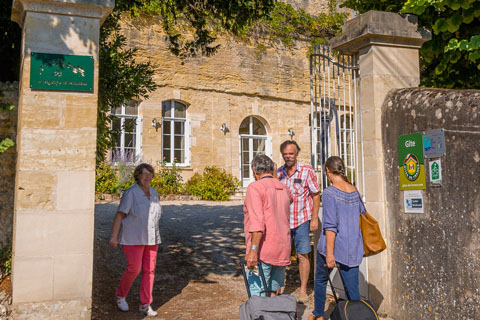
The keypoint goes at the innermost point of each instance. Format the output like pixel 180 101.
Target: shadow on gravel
pixel 198 240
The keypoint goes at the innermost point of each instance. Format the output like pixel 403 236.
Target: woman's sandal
pixel 312 317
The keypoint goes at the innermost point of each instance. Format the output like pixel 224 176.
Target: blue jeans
pixel 349 274
pixel 274 276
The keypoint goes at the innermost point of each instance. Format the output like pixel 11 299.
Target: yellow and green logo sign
pixel 411 162
pixel 411 167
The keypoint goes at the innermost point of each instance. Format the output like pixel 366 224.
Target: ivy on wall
pixel 121 79
pixel 192 27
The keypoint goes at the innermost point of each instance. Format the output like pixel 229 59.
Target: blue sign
pixel 434 143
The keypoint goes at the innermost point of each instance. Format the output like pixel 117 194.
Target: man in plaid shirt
pixel 302 181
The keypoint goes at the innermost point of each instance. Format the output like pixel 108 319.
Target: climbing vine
pixel 286 25
pixel 192 27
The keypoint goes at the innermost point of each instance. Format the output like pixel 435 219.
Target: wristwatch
pixel 253 247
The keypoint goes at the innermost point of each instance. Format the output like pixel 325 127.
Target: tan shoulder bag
pixel 373 242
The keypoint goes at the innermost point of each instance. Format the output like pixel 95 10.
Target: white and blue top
pixel 141 224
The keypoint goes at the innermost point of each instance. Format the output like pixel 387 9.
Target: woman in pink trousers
pixel 136 228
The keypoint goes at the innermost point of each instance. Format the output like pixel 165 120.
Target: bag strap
pixel 262 276
pixel 361 200
pixel 331 284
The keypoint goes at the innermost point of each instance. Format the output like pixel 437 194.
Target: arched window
pixel 253 141
pixel 175 133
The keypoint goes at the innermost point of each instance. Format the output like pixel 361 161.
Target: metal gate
pixel 334 111
pixel 335 124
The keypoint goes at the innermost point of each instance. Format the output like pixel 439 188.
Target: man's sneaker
pixel 122 304
pixel 148 311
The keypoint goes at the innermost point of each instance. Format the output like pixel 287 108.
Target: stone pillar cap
pixel 98 9
pixel 382 28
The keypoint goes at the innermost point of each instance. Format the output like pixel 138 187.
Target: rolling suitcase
pixel 282 307
pixel 351 309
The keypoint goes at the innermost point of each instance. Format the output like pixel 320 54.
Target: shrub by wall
pixel 213 184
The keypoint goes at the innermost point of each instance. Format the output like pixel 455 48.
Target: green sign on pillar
pixel 62 72
pixel 411 165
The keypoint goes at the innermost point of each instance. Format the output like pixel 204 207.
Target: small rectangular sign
pixel 435 172
pixel 413 201
pixel 61 72
pixel 411 162
pixel 434 143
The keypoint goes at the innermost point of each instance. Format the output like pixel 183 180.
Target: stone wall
pixel 312 7
pixel 8 129
pixel 435 256
pixel 237 82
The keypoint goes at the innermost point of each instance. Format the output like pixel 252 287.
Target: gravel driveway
pixel 197 275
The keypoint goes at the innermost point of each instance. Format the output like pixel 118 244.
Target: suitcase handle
pixel 331 284
pixel 262 276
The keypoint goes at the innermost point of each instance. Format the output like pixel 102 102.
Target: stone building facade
pixel 228 107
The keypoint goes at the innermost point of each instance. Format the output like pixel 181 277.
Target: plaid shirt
pixel 302 184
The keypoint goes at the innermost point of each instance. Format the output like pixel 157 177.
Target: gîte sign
pixel 61 72
pixel 409 143
pixel 410 162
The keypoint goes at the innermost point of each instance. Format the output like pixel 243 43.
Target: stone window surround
pixel 186 132
pixel 123 114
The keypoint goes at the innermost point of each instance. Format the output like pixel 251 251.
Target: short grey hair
pixel 262 164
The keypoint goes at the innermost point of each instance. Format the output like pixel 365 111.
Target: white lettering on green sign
pixel 409 143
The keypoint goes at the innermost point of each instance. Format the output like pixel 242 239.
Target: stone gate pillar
pixel 387 46
pixel 55 173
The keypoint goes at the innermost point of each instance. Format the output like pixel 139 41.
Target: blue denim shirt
pixel 341 214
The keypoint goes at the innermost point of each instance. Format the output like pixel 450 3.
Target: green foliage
pixel 122 78
pixel 192 27
pixel 203 19
pixel 214 184
pixel 106 181
pixel 286 25
pixel 168 180
pixel 6 257
pixel 112 179
pixel 6 143
pixel 452 58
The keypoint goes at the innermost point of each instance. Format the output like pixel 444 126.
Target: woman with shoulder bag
pixel 340 244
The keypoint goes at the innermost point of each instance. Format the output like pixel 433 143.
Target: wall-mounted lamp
pixel 224 128
pixel 155 124
pixel 291 133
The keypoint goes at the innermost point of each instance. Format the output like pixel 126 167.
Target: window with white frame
pixel 127 127
pixel 347 144
pixel 175 133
